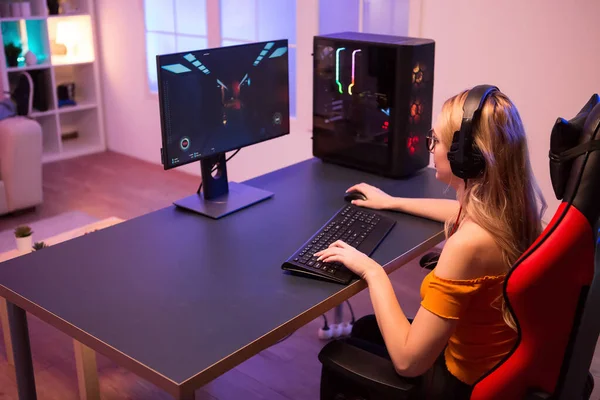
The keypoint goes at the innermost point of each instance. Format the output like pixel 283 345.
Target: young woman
pixel 462 328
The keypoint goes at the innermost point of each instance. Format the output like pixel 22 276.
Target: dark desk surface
pixel 179 298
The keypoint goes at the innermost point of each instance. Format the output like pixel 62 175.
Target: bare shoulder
pixel 470 253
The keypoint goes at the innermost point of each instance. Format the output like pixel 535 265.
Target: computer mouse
pixel 354 195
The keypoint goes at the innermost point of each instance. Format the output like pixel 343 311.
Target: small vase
pixel 25 9
pixel 24 244
pixel 15 9
pixel 30 58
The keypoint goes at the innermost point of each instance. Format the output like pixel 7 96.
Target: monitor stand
pixel 220 197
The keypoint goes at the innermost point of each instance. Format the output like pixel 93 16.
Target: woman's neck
pixel 460 191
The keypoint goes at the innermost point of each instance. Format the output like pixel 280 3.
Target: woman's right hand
pixel 376 198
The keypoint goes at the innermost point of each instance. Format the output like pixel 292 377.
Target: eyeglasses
pixel 431 140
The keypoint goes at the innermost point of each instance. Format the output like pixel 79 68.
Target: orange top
pixel 481 338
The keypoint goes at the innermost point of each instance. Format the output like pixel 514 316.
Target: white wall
pixel 132 112
pixel 544 54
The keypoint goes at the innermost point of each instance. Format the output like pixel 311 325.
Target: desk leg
pixel 19 333
pixel 6 332
pixel 87 372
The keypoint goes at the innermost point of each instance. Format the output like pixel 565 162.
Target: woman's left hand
pixel 354 260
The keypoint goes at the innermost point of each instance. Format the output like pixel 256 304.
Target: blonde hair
pixel 504 200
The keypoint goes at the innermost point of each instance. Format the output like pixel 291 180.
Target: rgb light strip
pixel 353 70
pixel 337 68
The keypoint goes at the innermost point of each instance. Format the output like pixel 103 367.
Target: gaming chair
pixel 552 291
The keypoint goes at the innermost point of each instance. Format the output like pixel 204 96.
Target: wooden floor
pixel 110 184
pixel 104 185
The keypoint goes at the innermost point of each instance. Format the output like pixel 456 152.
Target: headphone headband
pixel 475 100
pixel 466 160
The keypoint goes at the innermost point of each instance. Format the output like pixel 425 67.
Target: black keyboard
pixel 360 228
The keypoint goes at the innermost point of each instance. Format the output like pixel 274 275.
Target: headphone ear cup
pixel 477 162
pixel 455 140
pixel 454 147
pixel 473 162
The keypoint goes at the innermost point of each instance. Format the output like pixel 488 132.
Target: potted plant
pixel 12 54
pixel 38 246
pixel 23 236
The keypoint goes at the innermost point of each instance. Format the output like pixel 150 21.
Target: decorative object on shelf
pixel 66 94
pixel 30 58
pixel 38 246
pixel 69 6
pixel 15 9
pixel 12 53
pixel 25 9
pixel 5 10
pixel 74 33
pixel 66 34
pixel 53 7
pixel 69 135
pixel 24 239
pixel 58 49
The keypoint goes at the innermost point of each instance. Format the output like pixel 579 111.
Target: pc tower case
pixel 372 101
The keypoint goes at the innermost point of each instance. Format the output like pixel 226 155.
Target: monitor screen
pixel 217 100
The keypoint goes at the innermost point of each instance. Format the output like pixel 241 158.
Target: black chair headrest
pixel 575 159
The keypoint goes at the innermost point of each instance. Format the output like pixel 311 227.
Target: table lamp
pixel 66 34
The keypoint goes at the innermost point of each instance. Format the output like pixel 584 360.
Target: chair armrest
pixel 364 368
pixel 430 260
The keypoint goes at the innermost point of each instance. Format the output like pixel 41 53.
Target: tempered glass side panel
pixel 353 99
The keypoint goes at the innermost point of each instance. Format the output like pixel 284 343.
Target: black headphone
pixel 466 160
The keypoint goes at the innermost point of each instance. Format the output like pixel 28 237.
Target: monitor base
pixel 239 196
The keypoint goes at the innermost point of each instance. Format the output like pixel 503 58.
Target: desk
pixel 179 299
pixel 85 359
pixel 64 236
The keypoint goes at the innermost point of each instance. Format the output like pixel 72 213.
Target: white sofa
pixel 20 164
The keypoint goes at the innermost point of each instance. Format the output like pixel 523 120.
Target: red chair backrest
pixel 547 288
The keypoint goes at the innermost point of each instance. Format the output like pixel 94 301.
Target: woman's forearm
pixel 435 209
pixel 392 322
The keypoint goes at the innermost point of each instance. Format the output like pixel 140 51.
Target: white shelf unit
pixel 70 130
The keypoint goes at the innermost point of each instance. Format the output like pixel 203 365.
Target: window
pixel 260 20
pixel 173 26
pixel 338 16
pixel 180 25
pixel 387 17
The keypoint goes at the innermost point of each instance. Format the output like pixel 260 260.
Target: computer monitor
pixel 217 100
